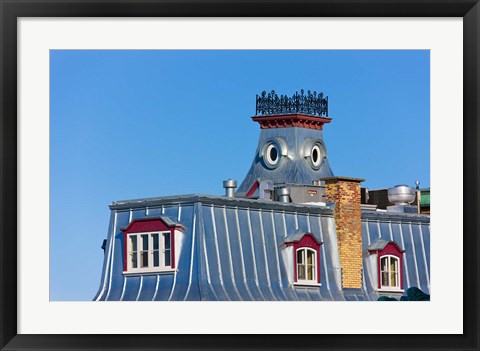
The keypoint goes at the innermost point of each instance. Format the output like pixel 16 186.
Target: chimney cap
pixel 342 178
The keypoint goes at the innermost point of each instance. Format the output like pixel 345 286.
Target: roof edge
pixel 219 200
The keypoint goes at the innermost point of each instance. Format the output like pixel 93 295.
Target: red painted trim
pixel 392 249
pixel 147 225
pixel 125 260
pixel 401 271
pixel 294 265
pixel 393 243
pixel 318 266
pixel 307 241
pixel 379 269
pixel 310 235
pixel 172 249
pixel 253 189
pixel 292 120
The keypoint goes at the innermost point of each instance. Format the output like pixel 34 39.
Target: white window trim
pixel 399 272
pixel 162 271
pixel 306 282
pixel 392 290
pixel 161 248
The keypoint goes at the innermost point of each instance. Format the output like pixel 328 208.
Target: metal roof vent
pixel 229 185
pixel 283 194
pixel 401 195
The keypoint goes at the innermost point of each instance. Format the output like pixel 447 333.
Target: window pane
pixel 156 258
pixel 301 272
pixel 166 237
pixel 394 279
pixel 393 264
pixel 134 260
pixel 133 241
pixel 155 241
pixel 144 241
pixel 144 258
pixel 384 263
pixel 384 278
pixel 300 256
pixel 167 258
pixel 310 256
pixel 133 251
pixel 310 272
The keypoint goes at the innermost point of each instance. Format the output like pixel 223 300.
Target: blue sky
pixel 131 124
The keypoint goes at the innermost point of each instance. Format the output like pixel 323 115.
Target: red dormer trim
pixel 393 249
pixel 307 240
pixel 292 120
pixel 146 225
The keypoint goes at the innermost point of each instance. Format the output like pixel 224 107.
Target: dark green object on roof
pixel 386 298
pixel 413 294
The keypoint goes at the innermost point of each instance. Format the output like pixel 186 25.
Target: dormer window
pixel 389 272
pixel 149 245
pixel 301 254
pixel 387 261
pixel 306 266
pixel 147 251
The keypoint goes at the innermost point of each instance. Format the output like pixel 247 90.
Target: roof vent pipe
pixel 229 186
pixel 283 195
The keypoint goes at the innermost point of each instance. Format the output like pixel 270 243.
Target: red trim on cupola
pixel 292 120
pixel 253 189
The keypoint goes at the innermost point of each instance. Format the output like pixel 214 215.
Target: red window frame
pixel 394 250
pixel 145 225
pixel 310 242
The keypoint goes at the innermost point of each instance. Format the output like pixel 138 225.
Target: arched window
pixel 302 258
pixel 389 272
pixel 306 265
pixel 386 260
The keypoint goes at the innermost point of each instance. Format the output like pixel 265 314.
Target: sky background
pixel 132 124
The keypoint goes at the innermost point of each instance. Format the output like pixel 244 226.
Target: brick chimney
pixel 345 193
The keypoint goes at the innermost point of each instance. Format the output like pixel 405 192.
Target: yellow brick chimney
pixel 345 193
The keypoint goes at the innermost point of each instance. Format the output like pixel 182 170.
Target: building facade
pixel 291 231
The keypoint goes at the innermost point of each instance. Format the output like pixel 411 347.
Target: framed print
pixel 327 233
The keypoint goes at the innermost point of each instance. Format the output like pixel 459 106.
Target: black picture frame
pixel 11 10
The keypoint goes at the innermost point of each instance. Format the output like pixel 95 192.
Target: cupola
pixel 291 149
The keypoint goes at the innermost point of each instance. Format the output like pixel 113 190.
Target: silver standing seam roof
pixel 232 250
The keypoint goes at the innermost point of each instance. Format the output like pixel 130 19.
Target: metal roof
pixel 231 250
pixel 293 167
pixel 380 245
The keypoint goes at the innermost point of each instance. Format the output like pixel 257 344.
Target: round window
pixel 272 154
pixel 316 158
pixel 314 153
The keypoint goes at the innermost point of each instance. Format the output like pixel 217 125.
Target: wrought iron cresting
pixel 309 103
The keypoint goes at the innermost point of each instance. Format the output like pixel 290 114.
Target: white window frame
pixel 398 272
pixel 150 252
pixel 310 282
